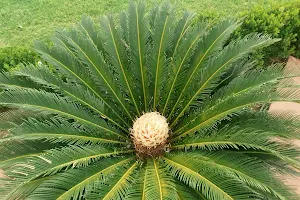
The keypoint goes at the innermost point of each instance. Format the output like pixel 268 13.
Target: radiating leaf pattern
pixel 66 132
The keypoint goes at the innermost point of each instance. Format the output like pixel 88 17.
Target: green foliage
pixel 280 20
pixel 12 56
pixel 68 135
pixel 23 22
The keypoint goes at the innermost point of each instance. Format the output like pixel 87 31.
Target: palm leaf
pixel 56 131
pixel 138 35
pixel 157 183
pixel 115 49
pixel 186 193
pixel 84 50
pixel 215 67
pixel 118 185
pixel 50 103
pixel 180 61
pixel 210 184
pixel 162 36
pixel 211 43
pixel 69 65
pixel 43 75
pixel 241 138
pixel 76 182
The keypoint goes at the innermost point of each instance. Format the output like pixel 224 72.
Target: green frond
pixel 209 183
pixel 115 53
pixel 44 76
pixel 117 186
pixel 186 193
pixel 21 192
pixel 212 42
pixel 12 117
pixel 75 183
pixel 153 183
pixel 161 37
pixel 69 65
pixel 157 183
pixel 84 50
pixel 57 131
pixel 51 103
pixel 19 151
pixel 241 138
pixel 210 74
pixel 57 160
pixel 254 173
pixel 284 124
pixel 245 84
pixel 138 34
pixel 180 62
pixel 88 28
pixel 7 82
pixel 223 109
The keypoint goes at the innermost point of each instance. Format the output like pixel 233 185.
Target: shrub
pixel 140 114
pixel 278 20
pixel 11 56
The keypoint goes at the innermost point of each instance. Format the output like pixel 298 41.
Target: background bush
pixel 11 56
pixel 280 21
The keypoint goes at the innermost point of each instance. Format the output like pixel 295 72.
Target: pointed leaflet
pixel 115 54
pixel 209 183
pixel 224 109
pixel 74 183
pixel 51 103
pixel 212 42
pixel 210 74
pixel 158 184
pixel 180 61
pixel 83 49
pixel 236 137
pixel 88 28
pixel 117 186
pixel 13 152
pixel 250 171
pixel 138 35
pixel 67 63
pixel 255 80
pixel 186 193
pixel 75 92
pixel 161 35
pixel 56 131
pixel 51 163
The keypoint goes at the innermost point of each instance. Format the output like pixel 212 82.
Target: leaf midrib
pixel 200 176
pixel 61 197
pixel 158 62
pixel 124 175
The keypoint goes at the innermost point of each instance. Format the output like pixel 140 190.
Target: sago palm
pixel 150 107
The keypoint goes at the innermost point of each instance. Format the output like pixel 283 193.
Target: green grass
pixel 23 21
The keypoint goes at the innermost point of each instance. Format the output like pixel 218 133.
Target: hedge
pixel 11 56
pixel 279 20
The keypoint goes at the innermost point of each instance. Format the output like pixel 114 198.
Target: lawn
pixel 22 22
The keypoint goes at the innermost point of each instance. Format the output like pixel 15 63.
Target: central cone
pixel 150 133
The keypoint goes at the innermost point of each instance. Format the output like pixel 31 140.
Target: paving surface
pixel 293 63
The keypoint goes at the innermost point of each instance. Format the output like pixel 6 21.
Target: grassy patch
pixel 24 21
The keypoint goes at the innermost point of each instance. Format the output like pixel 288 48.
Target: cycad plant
pixel 150 107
